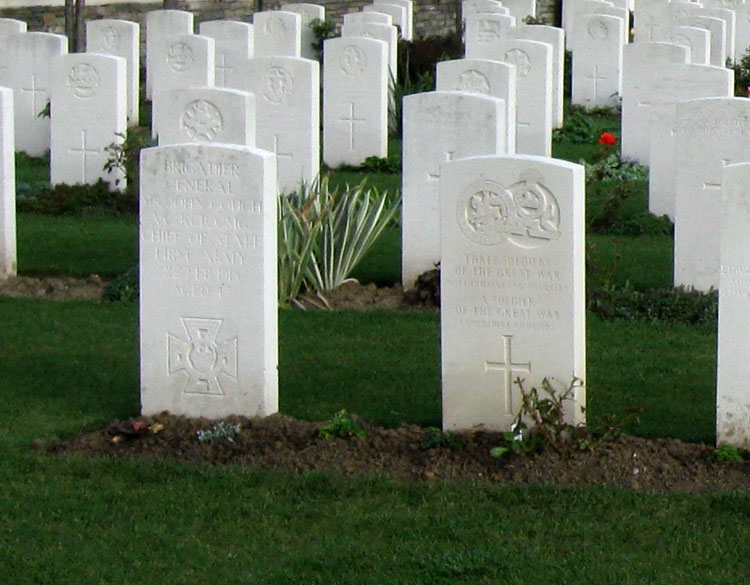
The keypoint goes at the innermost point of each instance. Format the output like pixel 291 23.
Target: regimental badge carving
pixel 520 59
pixel 202 121
pixel 110 39
pixel 83 80
pixel 275 26
pixel 277 85
pixel 180 56
pixel 598 30
pixel 473 81
pixel 207 362
pixel 488 30
pixel 353 60
pixel 525 213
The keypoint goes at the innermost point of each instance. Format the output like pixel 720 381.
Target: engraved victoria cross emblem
pixel 207 362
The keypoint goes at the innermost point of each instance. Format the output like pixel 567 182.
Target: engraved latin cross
pixel 507 367
pixel 221 68
pixel 352 120
pixel 436 176
pixel 715 186
pixel 84 151
pixel 596 78
pixel 34 90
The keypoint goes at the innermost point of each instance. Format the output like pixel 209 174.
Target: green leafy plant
pixel 613 168
pixel 124 287
pixel 124 155
pixel 324 233
pixel 742 74
pixel 725 453
pixel 221 432
pixel 322 31
pixel 63 199
pixel 341 426
pixel 434 438
pixel 674 305
pixel 578 128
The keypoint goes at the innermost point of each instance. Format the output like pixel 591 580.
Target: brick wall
pixel 431 17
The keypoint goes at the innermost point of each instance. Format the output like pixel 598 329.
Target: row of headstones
pixel 208 278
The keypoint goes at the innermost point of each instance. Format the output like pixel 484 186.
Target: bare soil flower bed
pixel 282 443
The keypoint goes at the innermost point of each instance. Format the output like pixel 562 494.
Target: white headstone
pixel 663 145
pixel 556 38
pixel 161 25
pixel 29 57
pixel 512 299
pixel 277 34
pixel 380 32
pixel 718 29
pixel 233 44
pixel 730 19
pixel 287 102
pixel 482 30
pixel 733 367
pixel 208 306
pixel 397 12
pixel 374 17
pixel 355 100
pixel 533 61
pixel 89 112
pixel 120 38
pixel 698 40
pixel 711 133
pixel 597 62
pixel 8 187
pixel 407 30
pixel 439 126
pixel 212 115
pixel 485 77
pixel 742 38
pixel 521 9
pixel 8 26
pixel 649 17
pixel 596 7
pixel 189 62
pixel 642 63
pixel 308 13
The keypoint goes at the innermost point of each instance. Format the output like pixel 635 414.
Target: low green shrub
pixel 434 438
pixel 62 199
pixel 341 426
pixel 124 287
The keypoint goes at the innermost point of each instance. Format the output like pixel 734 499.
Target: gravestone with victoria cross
pixel 355 100
pixel 733 367
pixel 208 301
pixel 512 298
pixel 679 83
pixel 439 126
pixel 711 133
pixel 277 33
pixel 189 62
pixel 121 39
pixel 287 105
pixel 597 61
pixel 89 97
pixel 484 77
pixel 233 44
pixel 308 13
pixel 29 56
pixel 211 115
pixel 533 61
pixel 642 62
pixel 161 25
pixel 7 186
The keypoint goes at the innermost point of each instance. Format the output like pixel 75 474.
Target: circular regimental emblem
pixel 474 82
pixel 110 39
pixel 520 59
pixel 598 29
pixel 202 121
pixel 277 85
pixel 275 26
pixel 525 214
pixel 83 80
pixel 353 60
pixel 488 30
pixel 180 56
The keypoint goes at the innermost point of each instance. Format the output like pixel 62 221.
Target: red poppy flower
pixel 607 139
